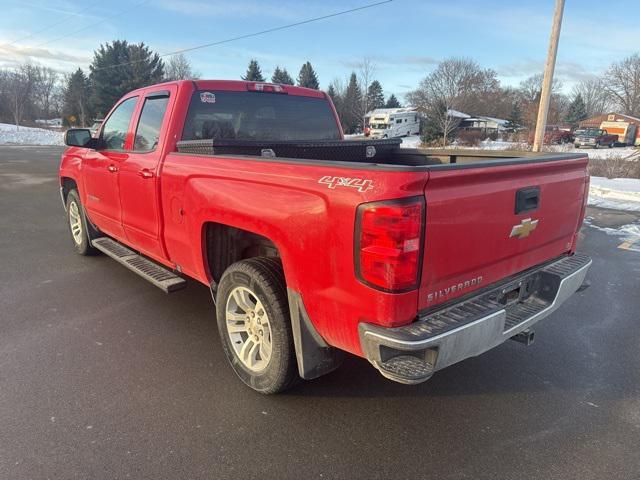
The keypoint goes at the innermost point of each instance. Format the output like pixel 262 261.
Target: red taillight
pixel 266 87
pixel 389 244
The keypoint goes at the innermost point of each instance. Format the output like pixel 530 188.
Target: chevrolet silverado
pixel 313 245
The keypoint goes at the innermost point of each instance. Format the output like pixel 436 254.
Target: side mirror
pixel 77 137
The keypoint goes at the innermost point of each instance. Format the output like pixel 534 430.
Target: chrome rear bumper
pixel 411 354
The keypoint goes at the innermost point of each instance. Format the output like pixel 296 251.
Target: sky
pixel 404 39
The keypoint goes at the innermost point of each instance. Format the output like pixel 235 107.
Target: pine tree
pixel 375 97
pixel 336 98
pixel 75 109
pixel 119 67
pixel 307 77
pixel 281 76
pixel 392 102
pixel 577 110
pixel 514 120
pixel 352 106
pixel 331 91
pixel 254 74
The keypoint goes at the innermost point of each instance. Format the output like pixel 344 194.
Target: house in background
pixel 483 124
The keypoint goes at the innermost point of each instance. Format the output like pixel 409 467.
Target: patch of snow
pixel 412 141
pixel 54 122
pixel 9 134
pixel 456 114
pixel 632 153
pixel 616 193
pixel 630 231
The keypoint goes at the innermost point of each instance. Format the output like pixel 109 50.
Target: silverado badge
pixel 524 228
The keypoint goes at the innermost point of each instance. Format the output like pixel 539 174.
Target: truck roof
pixel 240 86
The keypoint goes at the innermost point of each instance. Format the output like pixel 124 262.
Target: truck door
pixel 100 169
pixel 139 174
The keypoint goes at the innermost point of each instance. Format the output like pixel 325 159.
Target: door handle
pixel 145 173
pixel 112 168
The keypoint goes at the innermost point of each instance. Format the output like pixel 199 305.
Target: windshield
pixel 226 115
pixel 379 126
pixel 591 132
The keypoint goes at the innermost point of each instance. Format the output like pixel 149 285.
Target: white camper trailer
pixel 393 122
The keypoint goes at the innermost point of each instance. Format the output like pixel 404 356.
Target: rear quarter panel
pixel 311 224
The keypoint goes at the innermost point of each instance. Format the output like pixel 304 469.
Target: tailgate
pixel 474 237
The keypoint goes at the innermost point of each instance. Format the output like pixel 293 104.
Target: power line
pixel 49 27
pixel 93 24
pixel 254 34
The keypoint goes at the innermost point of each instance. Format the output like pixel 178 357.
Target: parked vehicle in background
pixel 625 132
pixel 595 138
pixel 312 245
pixel 393 122
pixel 554 134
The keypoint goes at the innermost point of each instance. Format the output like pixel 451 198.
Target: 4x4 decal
pixel 332 182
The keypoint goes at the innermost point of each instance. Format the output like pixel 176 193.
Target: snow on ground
pixel 615 193
pixel 28 136
pixel 630 231
pixel 412 141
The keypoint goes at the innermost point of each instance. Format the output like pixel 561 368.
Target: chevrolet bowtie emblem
pixel 525 227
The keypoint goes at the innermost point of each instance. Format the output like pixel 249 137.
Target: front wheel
pixel 254 324
pixel 81 230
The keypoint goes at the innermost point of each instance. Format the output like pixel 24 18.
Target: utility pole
pixel 545 94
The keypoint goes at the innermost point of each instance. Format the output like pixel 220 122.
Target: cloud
pixel 568 71
pixel 384 61
pixel 14 54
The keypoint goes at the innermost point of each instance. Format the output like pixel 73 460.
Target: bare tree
pixel 529 98
pixel 366 71
pixel 20 87
pixel 594 93
pixel 452 86
pixel 623 84
pixel 45 84
pixel 178 67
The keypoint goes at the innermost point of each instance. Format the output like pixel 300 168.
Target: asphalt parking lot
pixel 104 376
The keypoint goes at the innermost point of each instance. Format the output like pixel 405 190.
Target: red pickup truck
pixel 312 245
pixel 596 138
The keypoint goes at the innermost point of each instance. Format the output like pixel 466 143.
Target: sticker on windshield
pixel 208 97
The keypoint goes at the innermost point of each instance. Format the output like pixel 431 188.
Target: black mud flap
pixel 315 357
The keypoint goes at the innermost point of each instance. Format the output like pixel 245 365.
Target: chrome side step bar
pixel 159 276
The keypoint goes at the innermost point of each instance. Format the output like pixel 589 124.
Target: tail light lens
pixel 389 238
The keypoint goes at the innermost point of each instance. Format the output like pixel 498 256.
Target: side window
pixel 114 131
pixel 399 120
pixel 148 129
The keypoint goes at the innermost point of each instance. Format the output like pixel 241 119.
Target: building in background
pixel 625 126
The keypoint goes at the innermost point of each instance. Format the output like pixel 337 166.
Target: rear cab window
pixel 236 115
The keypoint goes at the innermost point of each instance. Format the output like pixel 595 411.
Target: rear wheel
pixel 81 230
pixel 254 324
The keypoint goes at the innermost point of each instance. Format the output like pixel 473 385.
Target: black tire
pixel 82 242
pixel 264 277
